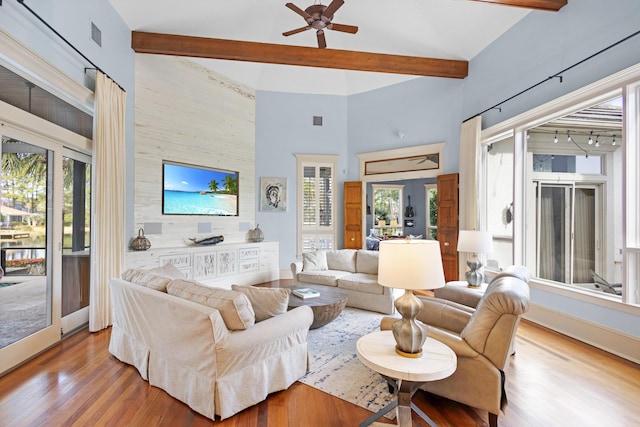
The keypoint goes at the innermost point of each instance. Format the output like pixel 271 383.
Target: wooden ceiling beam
pixel 548 5
pixel 200 47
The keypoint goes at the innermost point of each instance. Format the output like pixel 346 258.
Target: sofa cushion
pixel 361 282
pixel 314 261
pixel 343 259
pixel 328 277
pixel 234 307
pixel 146 278
pixel 266 302
pixel 367 262
pixel 168 270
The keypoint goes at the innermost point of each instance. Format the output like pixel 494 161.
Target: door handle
pixel 446 243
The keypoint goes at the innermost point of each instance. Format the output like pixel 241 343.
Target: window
pixel 316 202
pixel 431 192
pixel 387 208
pixel 555 191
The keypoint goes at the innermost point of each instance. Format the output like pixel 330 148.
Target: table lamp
pixel 410 264
pixel 475 242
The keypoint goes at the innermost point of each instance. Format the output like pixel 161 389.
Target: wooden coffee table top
pixel 328 296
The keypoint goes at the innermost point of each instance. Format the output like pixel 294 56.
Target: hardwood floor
pixel 553 381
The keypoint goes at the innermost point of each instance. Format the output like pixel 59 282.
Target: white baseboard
pixel 620 344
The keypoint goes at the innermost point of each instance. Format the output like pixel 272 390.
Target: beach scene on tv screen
pixel 191 190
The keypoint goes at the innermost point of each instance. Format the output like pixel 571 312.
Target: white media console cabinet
pixel 218 265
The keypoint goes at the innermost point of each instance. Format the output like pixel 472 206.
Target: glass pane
pixel 432 217
pixel 554 233
pixel 23 94
pixel 325 197
pixel 25 303
pixel 585 235
pixel 77 235
pixel 499 205
pixel 567 164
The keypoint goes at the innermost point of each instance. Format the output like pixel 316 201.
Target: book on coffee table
pixel 305 293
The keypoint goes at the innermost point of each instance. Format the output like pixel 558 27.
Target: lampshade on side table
pixel 410 264
pixel 475 242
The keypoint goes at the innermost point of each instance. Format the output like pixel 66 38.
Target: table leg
pixel 379 414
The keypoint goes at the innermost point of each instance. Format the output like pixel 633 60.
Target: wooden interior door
pixel 448 224
pixel 353 215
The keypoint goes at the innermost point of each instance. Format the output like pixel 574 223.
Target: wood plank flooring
pixel 553 381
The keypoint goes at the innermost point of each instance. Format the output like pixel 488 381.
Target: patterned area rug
pixel 335 367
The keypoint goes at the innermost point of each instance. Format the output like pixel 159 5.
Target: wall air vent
pixel 96 34
pixel 317 120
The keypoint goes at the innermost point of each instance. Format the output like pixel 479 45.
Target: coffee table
pixel 377 351
pixel 325 308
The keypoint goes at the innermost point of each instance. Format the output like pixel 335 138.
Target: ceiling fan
pixel 318 17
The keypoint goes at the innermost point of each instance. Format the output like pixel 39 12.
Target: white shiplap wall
pixel 189 114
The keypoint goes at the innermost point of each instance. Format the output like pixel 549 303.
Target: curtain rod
pixel 67 42
pixel 557 75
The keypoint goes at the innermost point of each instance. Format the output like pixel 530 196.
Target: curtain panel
pixel 108 228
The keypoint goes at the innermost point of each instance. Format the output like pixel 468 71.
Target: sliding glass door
pixel 567 232
pixel 29 291
pixel 76 247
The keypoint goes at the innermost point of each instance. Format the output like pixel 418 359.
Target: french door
pixel 44 198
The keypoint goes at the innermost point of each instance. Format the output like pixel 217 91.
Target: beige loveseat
pixel 217 361
pixel 355 272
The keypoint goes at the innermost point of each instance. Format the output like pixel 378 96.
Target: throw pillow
pixel 266 302
pixel 342 259
pixel 367 262
pixel 314 261
pixel 146 278
pixel 234 307
pixel 168 270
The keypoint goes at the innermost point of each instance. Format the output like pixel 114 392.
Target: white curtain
pixel 469 182
pixel 108 227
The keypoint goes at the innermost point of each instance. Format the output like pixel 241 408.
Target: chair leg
pixel 493 420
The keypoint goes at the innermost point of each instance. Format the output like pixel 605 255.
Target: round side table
pixel 377 352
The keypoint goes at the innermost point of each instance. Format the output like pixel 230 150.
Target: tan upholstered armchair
pixel 482 339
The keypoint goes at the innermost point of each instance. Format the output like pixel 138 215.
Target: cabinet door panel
pixel 353 215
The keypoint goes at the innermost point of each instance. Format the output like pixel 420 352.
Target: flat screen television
pixel 198 190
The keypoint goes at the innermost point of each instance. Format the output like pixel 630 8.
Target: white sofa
pixel 188 349
pixel 355 272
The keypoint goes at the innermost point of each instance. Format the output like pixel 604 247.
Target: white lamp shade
pixel 410 264
pixel 480 242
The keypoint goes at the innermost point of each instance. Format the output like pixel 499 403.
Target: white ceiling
pixel 447 29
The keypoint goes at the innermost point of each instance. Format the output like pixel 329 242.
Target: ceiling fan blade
pixel 331 9
pixel 296 31
pixel 299 11
pixel 322 42
pixel 352 29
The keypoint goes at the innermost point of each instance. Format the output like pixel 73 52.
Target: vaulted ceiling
pixel 396 41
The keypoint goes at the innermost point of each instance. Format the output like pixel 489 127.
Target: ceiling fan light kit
pixel 318 17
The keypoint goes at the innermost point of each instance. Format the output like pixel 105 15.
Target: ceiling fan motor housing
pixel 318 21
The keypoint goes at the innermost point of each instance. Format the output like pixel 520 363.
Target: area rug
pixel 334 364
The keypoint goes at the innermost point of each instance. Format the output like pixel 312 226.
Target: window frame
pixel 625 83
pixel 317 161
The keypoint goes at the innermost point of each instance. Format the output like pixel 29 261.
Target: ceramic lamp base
pixel 475 276
pixel 409 334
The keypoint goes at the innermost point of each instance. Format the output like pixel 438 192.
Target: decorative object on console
pixel 475 242
pixel 140 243
pixel 410 264
pixel 273 194
pixel 255 234
pixel 212 240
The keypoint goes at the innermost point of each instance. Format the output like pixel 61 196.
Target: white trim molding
pixel 400 153
pixel 610 340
